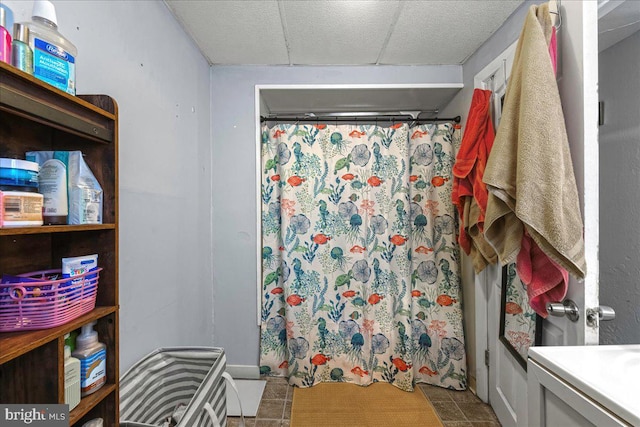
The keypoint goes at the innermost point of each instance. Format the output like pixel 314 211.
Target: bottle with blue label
pixel 93 360
pixel 54 56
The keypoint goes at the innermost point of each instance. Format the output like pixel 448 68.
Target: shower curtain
pixel 360 263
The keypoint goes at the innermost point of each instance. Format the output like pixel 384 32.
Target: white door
pixel 577 80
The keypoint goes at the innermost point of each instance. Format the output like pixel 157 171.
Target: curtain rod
pixel 380 118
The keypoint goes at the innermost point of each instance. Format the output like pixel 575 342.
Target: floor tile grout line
pixel 284 407
pixel 461 411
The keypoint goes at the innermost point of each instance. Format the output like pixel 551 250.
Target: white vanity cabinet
pixel 584 386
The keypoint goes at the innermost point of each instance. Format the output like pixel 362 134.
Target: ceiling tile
pixel 234 32
pixel 444 32
pixel 327 32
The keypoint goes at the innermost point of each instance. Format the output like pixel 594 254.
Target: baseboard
pixel 471 384
pixel 245 372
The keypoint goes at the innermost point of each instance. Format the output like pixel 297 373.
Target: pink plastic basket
pixel 43 303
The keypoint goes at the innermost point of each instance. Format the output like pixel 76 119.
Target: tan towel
pixel 529 173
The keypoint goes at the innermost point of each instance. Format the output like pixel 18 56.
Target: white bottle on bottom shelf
pixel 71 378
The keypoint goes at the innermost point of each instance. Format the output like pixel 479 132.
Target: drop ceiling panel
pixel 234 32
pixel 345 99
pixel 444 32
pixel 338 33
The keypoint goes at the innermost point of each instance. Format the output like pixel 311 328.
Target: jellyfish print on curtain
pixel 360 264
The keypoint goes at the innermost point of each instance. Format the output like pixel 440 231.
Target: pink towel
pixel 546 281
pixel 553 50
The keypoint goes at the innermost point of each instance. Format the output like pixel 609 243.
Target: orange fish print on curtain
pixel 362 267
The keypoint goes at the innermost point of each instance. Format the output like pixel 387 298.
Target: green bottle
pixel 21 53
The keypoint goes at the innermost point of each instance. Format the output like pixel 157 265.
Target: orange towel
pixel 469 192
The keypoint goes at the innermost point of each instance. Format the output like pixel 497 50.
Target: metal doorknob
pixel 567 308
pixel 600 313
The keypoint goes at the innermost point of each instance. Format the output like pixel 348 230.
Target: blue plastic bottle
pixel 54 56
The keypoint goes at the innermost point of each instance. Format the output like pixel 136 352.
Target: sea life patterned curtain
pixel 360 263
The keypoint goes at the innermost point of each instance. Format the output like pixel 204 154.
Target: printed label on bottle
pixel 54 65
pixel 90 206
pixel 92 371
pixel 53 186
pixel 22 208
pixel 71 373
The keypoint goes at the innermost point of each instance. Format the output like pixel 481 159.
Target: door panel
pixel 578 85
pixel 577 81
pixel 507 379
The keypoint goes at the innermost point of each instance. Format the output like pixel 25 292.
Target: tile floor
pixel 455 408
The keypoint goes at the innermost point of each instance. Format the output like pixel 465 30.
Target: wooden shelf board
pixel 34 81
pixel 89 402
pixel 15 344
pixel 15 231
pixel 26 96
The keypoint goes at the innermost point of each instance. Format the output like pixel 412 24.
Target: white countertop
pixel 608 374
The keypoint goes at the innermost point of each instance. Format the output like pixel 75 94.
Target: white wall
pixel 234 189
pixel 137 53
pixel 619 196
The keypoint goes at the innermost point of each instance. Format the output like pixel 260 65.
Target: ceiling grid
pixel 340 32
pixel 394 21
pixel 283 22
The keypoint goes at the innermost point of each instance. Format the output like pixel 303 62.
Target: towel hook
pixel 558 13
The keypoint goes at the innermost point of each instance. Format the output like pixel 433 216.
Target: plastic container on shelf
pixel 82 193
pixel 71 376
pixel 93 360
pixel 21 53
pixel 5 34
pixel 16 172
pixel 44 299
pixel 21 209
pixel 54 56
pixel 53 186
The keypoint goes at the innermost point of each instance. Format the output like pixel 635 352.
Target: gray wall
pixel 136 52
pixel 619 196
pixel 234 182
pixel 494 46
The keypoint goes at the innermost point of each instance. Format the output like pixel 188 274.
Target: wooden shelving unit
pixel 35 116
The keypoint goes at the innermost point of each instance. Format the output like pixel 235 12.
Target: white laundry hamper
pixel 178 386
